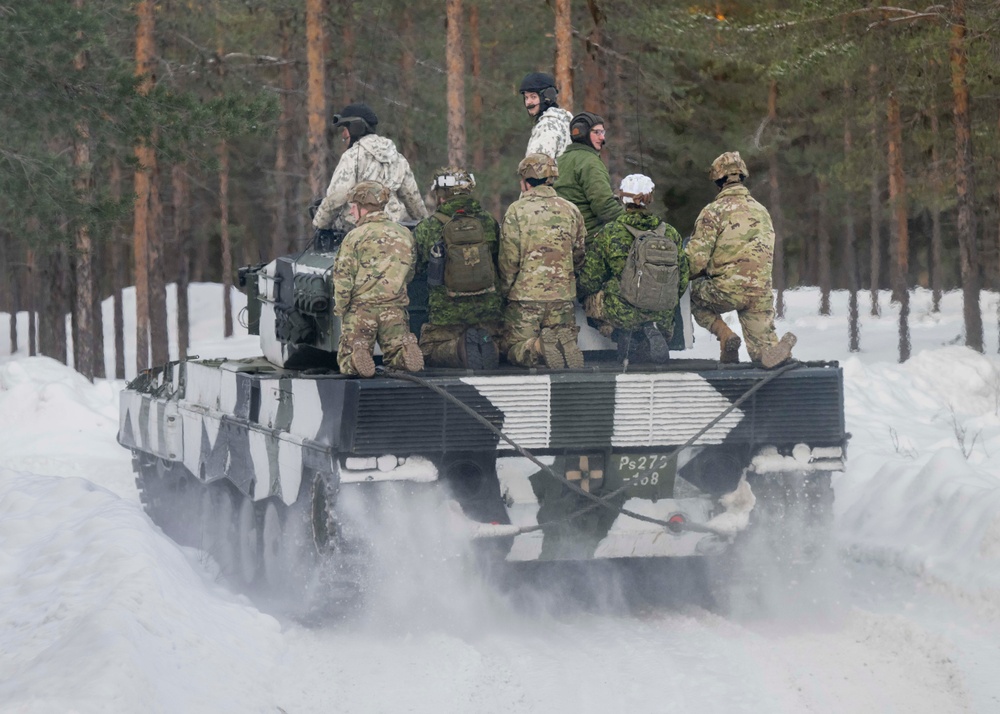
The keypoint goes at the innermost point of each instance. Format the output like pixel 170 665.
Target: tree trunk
pixel 407 64
pixel 316 101
pixel 965 178
pixel 225 247
pixel 777 215
pixel 348 47
pixel 455 60
pixel 900 233
pixel 99 259
pixel 593 67
pixel 998 235
pixel 14 292
pixel 874 204
pixel 823 250
pixel 564 52
pixel 938 184
pixel 118 279
pixel 850 247
pixel 475 47
pixel 182 242
pixel 31 303
pixel 146 161
pixel 159 339
pixel 53 302
pixel 83 304
pixel 280 239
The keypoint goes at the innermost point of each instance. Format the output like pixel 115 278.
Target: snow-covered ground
pixel 99 612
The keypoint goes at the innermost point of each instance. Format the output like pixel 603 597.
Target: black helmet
pixel 359 119
pixel 580 126
pixel 542 84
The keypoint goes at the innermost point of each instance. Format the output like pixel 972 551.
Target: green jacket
pixel 585 182
pixel 605 260
pixel 471 309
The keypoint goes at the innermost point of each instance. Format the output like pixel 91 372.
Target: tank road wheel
pixel 247 540
pixel 167 492
pixel 270 545
pixel 218 518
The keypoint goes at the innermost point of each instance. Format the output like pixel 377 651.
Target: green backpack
pixel 651 275
pixel 468 268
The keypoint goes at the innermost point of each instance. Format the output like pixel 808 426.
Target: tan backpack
pixel 468 268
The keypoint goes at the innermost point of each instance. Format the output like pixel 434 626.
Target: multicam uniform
pixel 371 158
pixel 731 254
pixel 598 281
pixel 542 245
pixel 550 135
pixel 375 263
pixel 584 181
pixel 448 316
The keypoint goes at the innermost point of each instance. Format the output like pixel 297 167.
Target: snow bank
pixel 101 612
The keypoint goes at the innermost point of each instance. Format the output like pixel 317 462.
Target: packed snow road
pixel 99 612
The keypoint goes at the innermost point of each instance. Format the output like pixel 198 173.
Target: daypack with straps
pixel 651 275
pixel 468 268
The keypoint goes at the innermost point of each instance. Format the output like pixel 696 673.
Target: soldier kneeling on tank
pixel 541 247
pixel 633 275
pixel 457 253
pixel 373 266
pixel 731 254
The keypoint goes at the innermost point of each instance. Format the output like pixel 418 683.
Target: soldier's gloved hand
pixel 313 207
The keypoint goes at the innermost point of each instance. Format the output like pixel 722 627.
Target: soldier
pixel 369 157
pixel 550 135
pixel 731 253
pixel 637 314
pixel 460 242
pixel 373 266
pixel 583 178
pixel 541 246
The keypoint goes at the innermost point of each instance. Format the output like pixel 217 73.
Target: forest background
pixel 154 142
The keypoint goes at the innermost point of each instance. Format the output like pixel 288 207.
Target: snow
pixel 100 612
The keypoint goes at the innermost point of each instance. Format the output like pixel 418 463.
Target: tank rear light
pixel 676 522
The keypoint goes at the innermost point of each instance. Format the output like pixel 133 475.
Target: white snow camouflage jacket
pixel 550 135
pixel 372 158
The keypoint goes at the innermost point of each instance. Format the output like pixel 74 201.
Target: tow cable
pixel 596 501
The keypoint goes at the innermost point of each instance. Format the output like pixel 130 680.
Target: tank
pixel 277 463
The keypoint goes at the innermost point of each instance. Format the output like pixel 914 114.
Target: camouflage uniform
pixel 584 181
pixel 371 158
pixel 541 246
pixel 550 135
pixel 450 317
pixel 373 266
pixel 731 254
pixel 603 265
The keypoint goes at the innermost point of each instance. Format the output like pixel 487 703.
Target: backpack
pixel 651 275
pixel 468 268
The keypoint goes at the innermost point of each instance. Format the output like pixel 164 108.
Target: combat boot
pixel 570 349
pixel 729 341
pixel 548 348
pixel 656 342
pixel 361 358
pixel 779 353
pixel 413 358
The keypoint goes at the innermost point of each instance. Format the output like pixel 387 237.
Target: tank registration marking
pixel 644 475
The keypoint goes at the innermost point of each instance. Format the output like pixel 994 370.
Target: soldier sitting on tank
pixel 457 253
pixel 633 275
pixel 583 178
pixel 541 246
pixel 731 255
pixel 373 266
pixel 369 157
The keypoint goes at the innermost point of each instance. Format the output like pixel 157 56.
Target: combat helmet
pixel 369 194
pixel 636 190
pixel 452 181
pixel 726 165
pixel 580 126
pixel 538 166
pixel 544 85
pixel 358 119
